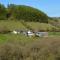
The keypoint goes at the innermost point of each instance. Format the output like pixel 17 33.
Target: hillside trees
pixel 26 13
pixel 22 12
pixel 3 12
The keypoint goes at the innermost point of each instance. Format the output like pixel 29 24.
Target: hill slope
pixel 22 12
pixel 27 13
pixel 12 25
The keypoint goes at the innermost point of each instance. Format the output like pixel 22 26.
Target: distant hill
pixel 22 12
pixel 26 13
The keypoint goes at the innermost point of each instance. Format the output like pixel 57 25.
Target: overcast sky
pixel 50 7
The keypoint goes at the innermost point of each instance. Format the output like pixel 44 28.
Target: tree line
pixel 22 12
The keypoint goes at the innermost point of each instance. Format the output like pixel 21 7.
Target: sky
pixel 50 7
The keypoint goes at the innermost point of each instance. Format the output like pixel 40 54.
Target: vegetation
pixel 55 22
pixel 10 25
pixel 28 14
pixel 20 47
pixel 3 12
pixel 54 34
pixel 25 48
pixel 42 26
pixel 21 12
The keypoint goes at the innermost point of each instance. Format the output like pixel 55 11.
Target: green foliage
pixel 21 12
pixel 27 13
pixel 3 12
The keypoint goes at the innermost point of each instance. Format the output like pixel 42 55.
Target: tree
pixel 3 12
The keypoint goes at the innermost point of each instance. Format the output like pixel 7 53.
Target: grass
pixel 20 38
pixel 20 47
pixel 54 33
pixel 11 24
pixel 2 38
pixel 25 48
pixel 40 26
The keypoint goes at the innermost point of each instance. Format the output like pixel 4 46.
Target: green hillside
pixel 27 13
pixel 22 12
pixel 36 26
pixel 41 26
pixel 26 17
pixel 11 25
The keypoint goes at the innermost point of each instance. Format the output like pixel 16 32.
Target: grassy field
pixel 20 47
pixel 6 37
pixel 12 25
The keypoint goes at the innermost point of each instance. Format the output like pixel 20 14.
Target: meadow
pixel 14 24
pixel 21 47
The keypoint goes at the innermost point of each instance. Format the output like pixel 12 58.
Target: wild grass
pixel 54 34
pixel 20 47
pixel 10 24
pixel 14 24
pixel 36 49
pixel 41 26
